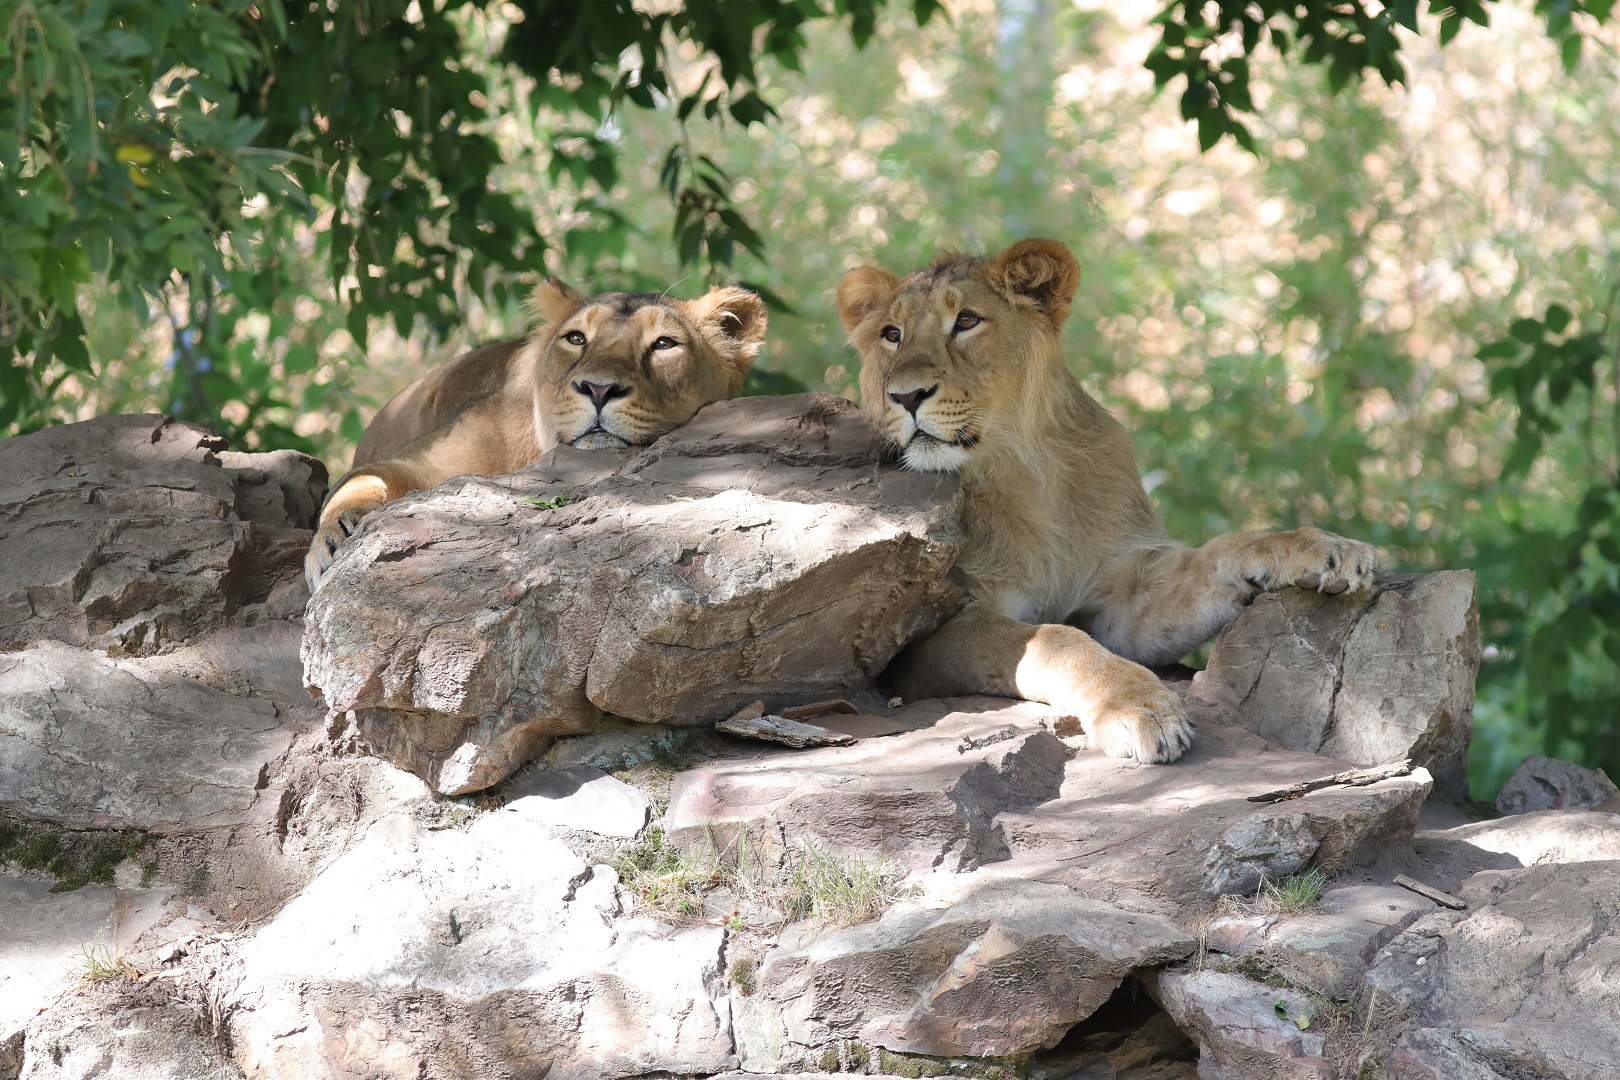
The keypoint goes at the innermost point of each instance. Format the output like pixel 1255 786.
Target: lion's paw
pixel 329 537
pixel 1315 559
pixel 1145 722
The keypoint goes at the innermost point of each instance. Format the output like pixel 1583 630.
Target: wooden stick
pixel 1350 778
pixel 1432 893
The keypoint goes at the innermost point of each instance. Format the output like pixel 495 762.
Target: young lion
pixel 615 370
pixel 962 366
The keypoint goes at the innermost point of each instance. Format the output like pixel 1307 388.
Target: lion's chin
pixel 927 454
pixel 597 439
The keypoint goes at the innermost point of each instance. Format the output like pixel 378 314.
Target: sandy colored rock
pixel 126 531
pixel 1541 783
pixel 102 1036
pixel 760 551
pixel 1245 1030
pixel 1367 678
pixel 582 798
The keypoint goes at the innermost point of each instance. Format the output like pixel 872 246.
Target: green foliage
pixel 1210 45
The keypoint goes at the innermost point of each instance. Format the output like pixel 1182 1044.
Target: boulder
pixel 760 551
pixel 1526 982
pixel 1368 678
pixel 487 949
pixel 1552 784
pixel 115 1032
pixel 1246 1030
pixel 132 532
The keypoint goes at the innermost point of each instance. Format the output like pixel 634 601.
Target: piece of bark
pixel 1349 778
pixel 1432 893
pixel 780 730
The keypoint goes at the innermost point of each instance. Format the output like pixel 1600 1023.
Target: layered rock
pixel 1368 677
pixel 761 550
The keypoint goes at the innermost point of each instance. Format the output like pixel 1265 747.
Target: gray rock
pixel 583 799
pixel 1245 1030
pixel 1002 967
pixel 1553 784
pixel 48 934
pixel 760 551
pixel 90 742
pixel 1367 678
pixel 422 951
pixel 124 531
pixel 1526 982
pixel 1329 949
pixel 1542 836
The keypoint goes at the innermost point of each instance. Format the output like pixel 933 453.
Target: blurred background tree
pixel 1382 305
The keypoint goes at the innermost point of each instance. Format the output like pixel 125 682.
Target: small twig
pixel 1441 898
pixel 1350 778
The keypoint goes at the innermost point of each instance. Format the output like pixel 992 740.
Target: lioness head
pixel 956 358
pixel 621 369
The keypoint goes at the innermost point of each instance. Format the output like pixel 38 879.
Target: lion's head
pixel 621 369
pixel 957 359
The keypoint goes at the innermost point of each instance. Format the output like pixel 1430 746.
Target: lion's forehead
pixel 627 315
pixel 940 292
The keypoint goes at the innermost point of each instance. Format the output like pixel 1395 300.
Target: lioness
pixel 616 370
pixel 962 367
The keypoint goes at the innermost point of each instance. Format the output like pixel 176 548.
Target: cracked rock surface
pixel 1369 677
pixel 762 550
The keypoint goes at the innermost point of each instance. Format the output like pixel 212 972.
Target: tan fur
pixel 496 409
pixel 1074 583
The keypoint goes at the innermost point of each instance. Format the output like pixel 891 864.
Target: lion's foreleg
pixel 1161 602
pixel 1124 708
pixel 356 495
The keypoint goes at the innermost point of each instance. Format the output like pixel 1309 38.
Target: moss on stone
pixel 74 857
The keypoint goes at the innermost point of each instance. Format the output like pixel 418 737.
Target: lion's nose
pixel 913 398
pixel 601 393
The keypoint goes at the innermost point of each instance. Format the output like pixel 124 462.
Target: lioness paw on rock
pixel 1075 584
pixel 617 370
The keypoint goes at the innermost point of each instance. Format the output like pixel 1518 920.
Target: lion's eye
pixel 665 343
pixel 967 320
pixel 574 337
pixel 891 334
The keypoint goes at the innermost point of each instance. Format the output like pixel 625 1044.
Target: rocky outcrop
pixel 761 550
pixel 134 532
pixel 1367 677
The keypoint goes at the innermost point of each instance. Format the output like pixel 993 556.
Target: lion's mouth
pixel 597 437
pixel 964 439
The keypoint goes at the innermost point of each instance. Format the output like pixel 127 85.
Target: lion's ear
pixel 864 290
pixel 733 320
pixel 1043 270
pixel 553 302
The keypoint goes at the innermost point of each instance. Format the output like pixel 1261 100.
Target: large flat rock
pixel 761 550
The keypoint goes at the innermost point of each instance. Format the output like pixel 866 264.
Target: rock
pixel 1003 968
pixel 1543 836
pixel 583 799
pixel 1366 678
pixel 102 1036
pixel 1524 983
pixel 1328 950
pixel 47 935
pixel 422 951
pixel 90 742
pixel 1552 784
pixel 1245 1030
pixel 760 551
pixel 124 531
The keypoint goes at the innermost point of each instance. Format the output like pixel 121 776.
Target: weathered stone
pixel 760 551
pixel 1367 678
pixel 102 1037
pixel 125 531
pixel 1329 949
pixel 86 741
pixel 1003 967
pixel 1543 836
pixel 1524 983
pixel 1245 1030
pixel 45 937
pixel 583 799
pixel 1552 784
pixel 425 951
